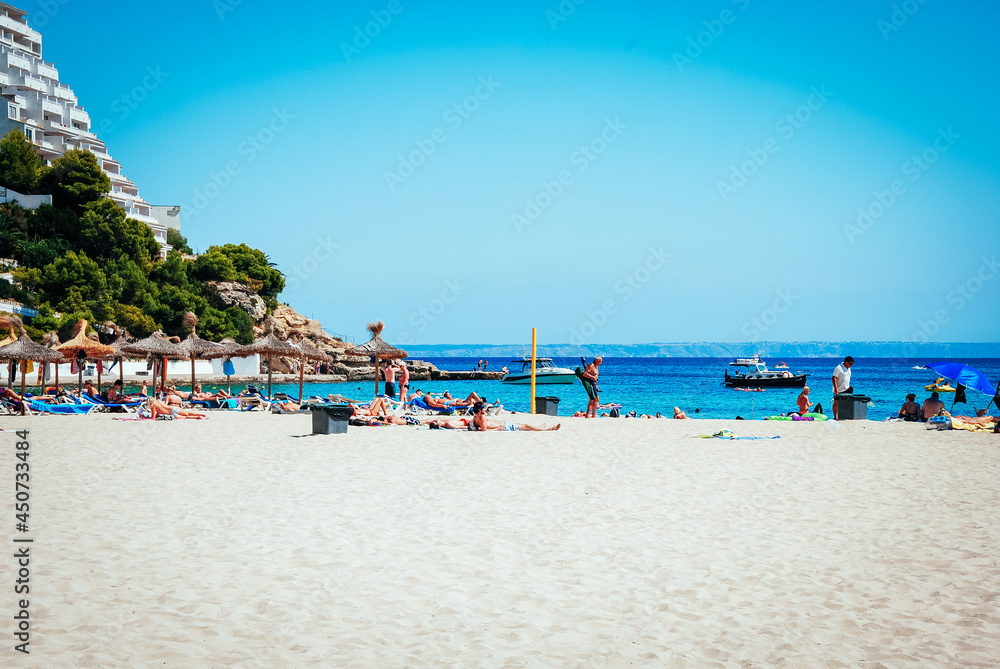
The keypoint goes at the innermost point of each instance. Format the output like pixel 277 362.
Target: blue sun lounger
pixel 37 406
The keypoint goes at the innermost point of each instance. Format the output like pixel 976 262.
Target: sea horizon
pixel 766 349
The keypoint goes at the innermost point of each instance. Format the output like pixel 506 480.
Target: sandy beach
pixel 245 541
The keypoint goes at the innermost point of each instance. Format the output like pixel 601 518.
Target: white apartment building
pixel 48 113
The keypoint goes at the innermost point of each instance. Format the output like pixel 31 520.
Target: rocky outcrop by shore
pixel 289 325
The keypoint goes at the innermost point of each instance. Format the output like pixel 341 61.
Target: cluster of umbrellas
pixel 160 348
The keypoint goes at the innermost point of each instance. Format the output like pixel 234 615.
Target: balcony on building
pixel 64 92
pixel 13 60
pixel 79 116
pixel 34 83
pixel 12 19
pixel 43 69
pixel 52 107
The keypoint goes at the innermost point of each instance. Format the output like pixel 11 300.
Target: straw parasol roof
pixel 196 347
pixel 80 342
pixel 376 347
pixel 25 349
pixel 155 344
pixel 310 352
pixel 269 344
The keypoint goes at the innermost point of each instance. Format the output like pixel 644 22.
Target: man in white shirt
pixel 842 381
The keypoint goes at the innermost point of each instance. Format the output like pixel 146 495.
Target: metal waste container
pixel 330 418
pixel 547 406
pixel 852 407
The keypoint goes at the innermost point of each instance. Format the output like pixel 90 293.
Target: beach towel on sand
pixel 726 434
pixel 959 425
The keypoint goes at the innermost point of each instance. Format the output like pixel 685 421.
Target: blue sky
pixel 606 172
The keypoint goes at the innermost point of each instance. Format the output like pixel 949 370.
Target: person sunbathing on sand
pixel 678 414
pixel 378 407
pixel 448 423
pixel 155 407
pixel 480 423
pixel 467 402
pixel 979 420
pixel 200 396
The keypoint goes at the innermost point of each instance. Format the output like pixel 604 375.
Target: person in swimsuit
pixel 389 371
pixel 480 423
pixel 155 407
pixel 911 410
pixel 589 380
pixel 404 380
pixel 932 406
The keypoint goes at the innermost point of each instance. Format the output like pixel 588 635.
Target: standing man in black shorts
pixel 589 381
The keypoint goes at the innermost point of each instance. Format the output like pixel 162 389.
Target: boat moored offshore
pixel 755 374
pixel 545 372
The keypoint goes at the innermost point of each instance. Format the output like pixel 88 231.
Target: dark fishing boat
pixel 753 373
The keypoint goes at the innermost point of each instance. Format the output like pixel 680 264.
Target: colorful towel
pixel 726 434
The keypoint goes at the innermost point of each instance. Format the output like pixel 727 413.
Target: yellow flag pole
pixel 534 349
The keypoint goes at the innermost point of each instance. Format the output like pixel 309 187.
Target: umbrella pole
pixel 24 368
pixel 99 366
pixel 121 372
pixel 376 376
pixel 164 384
pixel 57 377
pixel 269 376
pixel 192 374
pixel 302 378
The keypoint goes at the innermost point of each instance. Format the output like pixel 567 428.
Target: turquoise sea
pixel 648 385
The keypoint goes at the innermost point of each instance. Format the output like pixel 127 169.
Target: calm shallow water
pixel 648 385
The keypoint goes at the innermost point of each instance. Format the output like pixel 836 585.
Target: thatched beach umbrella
pixel 51 341
pixel 269 345
pixel 156 345
pixel 83 349
pixel 377 349
pixel 232 348
pixel 25 349
pixel 120 355
pixel 308 352
pixel 196 347
pixel 9 339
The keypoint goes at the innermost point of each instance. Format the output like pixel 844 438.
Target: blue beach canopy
pixel 967 376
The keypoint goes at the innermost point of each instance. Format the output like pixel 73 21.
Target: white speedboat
pixel 545 372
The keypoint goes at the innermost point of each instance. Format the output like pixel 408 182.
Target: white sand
pixel 610 543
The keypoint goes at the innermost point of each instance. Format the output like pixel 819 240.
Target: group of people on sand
pixel 378 413
pixel 933 406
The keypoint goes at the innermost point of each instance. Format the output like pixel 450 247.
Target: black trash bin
pixel 852 407
pixel 330 418
pixel 547 406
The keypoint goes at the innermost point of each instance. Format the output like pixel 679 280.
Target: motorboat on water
pixel 545 372
pixel 753 373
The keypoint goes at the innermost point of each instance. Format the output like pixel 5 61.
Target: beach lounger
pixel 230 404
pixel 418 403
pixel 104 405
pixel 39 407
pixel 251 402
